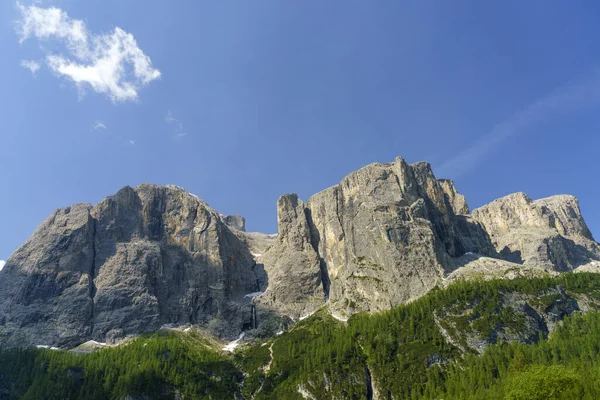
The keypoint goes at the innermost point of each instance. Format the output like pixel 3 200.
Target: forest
pixel 472 340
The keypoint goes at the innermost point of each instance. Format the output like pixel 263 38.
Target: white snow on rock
pixel 253 294
pixel 307 315
pixel 43 346
pixel 279 333
pixel 232 345
pixel 256 254
pixel 339 317
pixel 2 264
pixel 95 343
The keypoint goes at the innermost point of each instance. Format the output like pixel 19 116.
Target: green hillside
pixel 519 339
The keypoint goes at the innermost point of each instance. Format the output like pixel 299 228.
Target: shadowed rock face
pixel 385 235
pixel 139 259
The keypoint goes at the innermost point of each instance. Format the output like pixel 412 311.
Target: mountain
pixel 384 236
pixel 389 233
pixel 140 259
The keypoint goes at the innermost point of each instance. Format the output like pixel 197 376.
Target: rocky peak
pixel 566 215
pixel 549 232
pixel 457 201
pixel 382 236
pixel 139 259
pixel 235 221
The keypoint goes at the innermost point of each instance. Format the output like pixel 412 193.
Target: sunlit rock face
pixel 384 235
pixel 137 260
pixel 549 233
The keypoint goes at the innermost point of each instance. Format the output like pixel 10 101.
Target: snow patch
pixel 95 343
pixel 256 254
pixel 307 315
pixel 279 333
pixel 2 264
pixel 43 346
pixel 253 294
pixel 232 345
pixel 339 317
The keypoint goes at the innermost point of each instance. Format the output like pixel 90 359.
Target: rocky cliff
pixel 137 260
pixel 383 236
pixel 549 233
pixel 388 233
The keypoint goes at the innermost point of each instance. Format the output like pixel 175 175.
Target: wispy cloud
pixel 577 94
pixel 2 264
pixel 99 125
pixel 110 64
pixel 32 66
pixel 176 125
pixel 131 142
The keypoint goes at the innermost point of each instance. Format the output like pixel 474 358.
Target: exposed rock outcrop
pixel 549 233
pixel 139 259
pixel 385 235
pixel 236 222
pixel 297 285
pixel 388 233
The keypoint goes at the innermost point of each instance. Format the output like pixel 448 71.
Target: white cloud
pixel 111 63
pixel 175 124
pixel 99 125
pixel 577 94
pixel 2 264
pixel 132 142
pixel 32 66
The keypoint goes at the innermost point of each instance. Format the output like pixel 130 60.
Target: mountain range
pixel 385 235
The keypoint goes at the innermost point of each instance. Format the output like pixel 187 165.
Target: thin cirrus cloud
pixel 577 94
pixel 32 66
pixel 99 126
pixel 175 124
pixel 110 64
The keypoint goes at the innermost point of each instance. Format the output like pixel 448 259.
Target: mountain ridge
pixel 385 235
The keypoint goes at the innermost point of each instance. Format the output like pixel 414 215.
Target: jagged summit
pixel 384 235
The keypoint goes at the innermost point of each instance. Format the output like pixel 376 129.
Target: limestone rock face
pixel 457 200
pixel 236 222
pixel 549 233
pixel 51 271
pixel 137 260
pixel 386 234
pixel 297 285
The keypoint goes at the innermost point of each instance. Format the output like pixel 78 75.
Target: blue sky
pixel 240 102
